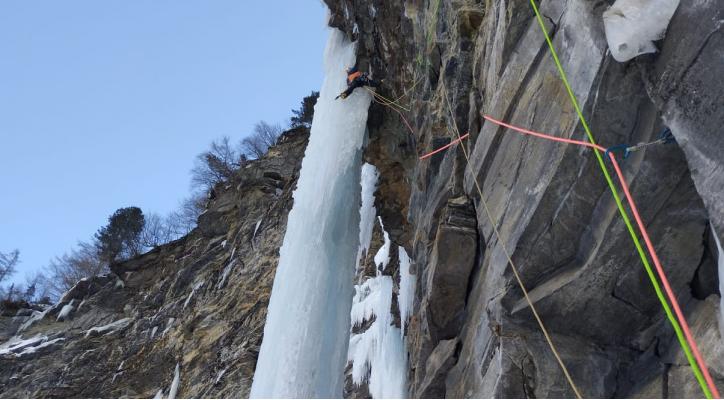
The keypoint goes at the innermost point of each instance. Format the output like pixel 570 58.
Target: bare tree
pixel 65 271
pixel 216 164
pixel 183 220
pixel 36 288
pixel 157 231
pixel 8 262
pixel 12 294
pixel 264 136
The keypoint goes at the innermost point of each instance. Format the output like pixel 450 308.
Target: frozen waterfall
pixel 304 350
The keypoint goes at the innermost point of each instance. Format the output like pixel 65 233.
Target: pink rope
pixel 644 233
pixel 445 147
pixel 665 282
pixel 543 135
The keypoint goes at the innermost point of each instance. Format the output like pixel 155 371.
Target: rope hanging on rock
pixel 377 98
pixel 445 147
pixel 708 387
pixel 519 280
pixel 684 342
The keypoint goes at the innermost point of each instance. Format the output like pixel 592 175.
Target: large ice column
pixel 304 350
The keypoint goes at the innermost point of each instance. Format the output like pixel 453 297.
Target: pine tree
pixel 120 239
pixel 305 114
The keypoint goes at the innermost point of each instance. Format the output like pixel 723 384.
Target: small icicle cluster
pixel 378 354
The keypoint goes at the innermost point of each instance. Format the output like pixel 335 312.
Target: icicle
pixel 382 258
pixel 378 354
pixel 174 385
pixel 406 299
pixel 367 211
pixel 191 295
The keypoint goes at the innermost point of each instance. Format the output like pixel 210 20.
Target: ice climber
pixel 356 79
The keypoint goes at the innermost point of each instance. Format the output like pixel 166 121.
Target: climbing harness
pixel 494 224
pixel 664 138
pixel 698 367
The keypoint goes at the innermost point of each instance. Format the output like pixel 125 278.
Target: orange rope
pixel 445 147
pixel 659 269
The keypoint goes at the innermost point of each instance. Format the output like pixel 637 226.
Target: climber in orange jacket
pixel 356 79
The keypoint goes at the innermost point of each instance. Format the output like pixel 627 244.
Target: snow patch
pixel 219 376
pixel 37 316
pixel 225 274
pixel 18 343
pixel 18 346
pixel 153 331
pixel 44 344
pixel 631 26
pixel 223 244
pixel 109 328
pixel 174 385
pixel 159 394
pixel 168 326
pixel 65 311
pixel 193 290
pixel 256 228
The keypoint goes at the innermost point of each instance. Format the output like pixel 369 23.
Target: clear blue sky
pixel 105 104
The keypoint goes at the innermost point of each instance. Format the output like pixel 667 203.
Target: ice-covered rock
pixel 108 328
pixel 633 25
pixel 65 311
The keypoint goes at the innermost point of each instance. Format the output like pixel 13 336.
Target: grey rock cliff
pixel 472 334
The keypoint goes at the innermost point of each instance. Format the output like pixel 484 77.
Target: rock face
pixel 195 306
pixel 446 63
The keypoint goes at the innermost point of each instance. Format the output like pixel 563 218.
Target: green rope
pixel 624 214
